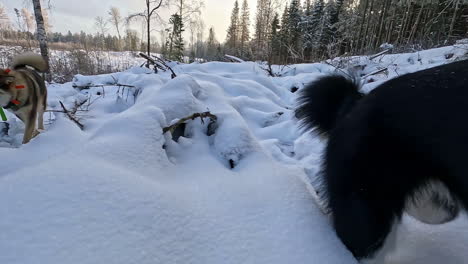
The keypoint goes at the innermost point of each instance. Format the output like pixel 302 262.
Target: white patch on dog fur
pixel 430 206
pixel 420 243
pixel 433 204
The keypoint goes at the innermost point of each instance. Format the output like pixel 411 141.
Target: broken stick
pixel 173 127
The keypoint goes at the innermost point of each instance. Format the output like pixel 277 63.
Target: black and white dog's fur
pixel 401 148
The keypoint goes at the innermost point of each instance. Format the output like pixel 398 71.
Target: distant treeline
pixel 315 30
pixel 130 42
pixel 300 31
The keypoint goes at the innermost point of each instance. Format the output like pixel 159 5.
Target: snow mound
pixel 122 192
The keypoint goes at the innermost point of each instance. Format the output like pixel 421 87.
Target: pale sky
pixel 77 15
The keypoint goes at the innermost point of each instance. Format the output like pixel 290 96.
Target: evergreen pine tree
pixel 284 35
pixel 316 26
pixel 167 47
pixel 327 37
pixel 259 26
pixel 275 39
pixel 211 45
pixel 264 17
pixel 309 24
pixel 335 10
pixel 244 28
pixel 176 49
pixel 232 40
pixel 334 35
pixel 307 8
pixel 294 27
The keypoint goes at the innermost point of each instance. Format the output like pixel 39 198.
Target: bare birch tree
pixel 189 8
pixel 4 21
pixel 101 25
pixel 116 20
pixel 147 16
pixel 41 34
pixel 28 20
pixel 266 10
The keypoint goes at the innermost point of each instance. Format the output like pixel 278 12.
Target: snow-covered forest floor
pixel 121 191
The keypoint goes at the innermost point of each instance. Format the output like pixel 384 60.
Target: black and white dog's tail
pixel 321 104
pixel 325 101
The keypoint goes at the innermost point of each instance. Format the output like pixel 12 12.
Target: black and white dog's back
pixel 401 148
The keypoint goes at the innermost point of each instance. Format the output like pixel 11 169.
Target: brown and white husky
pixel 23 92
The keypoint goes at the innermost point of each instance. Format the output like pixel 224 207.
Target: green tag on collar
pixel 2 115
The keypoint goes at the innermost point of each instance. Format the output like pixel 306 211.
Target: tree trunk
pixel 402 32
pixel 389 36
pixel 383 17
pixel 148 29
pixel 42 35
pixel 416 24
pixel 181 8
pixel 454 18
pixel 358 40
pixel 426 34
pixel 370 17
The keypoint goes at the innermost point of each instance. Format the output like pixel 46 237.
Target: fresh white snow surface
pixel 122 192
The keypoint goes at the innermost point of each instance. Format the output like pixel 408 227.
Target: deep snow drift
pixel 122 192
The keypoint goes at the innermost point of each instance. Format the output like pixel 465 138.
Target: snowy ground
pixel 122 192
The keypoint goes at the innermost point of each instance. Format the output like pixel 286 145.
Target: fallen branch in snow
pixel 61 111
pixel 161 61
pixel 152 62
pixel 70 115
pixel 122 89
pixel 379 54
pixel 192 117
pixel 101 86
pixel 76 108
pixel 340 70
pixel 269 70
pixel 233 58
pixel 375 73
pixel 78 105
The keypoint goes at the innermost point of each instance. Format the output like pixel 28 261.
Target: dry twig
pixel 102 86
pixel 234 59
pixel 161 61
pixel 375 73
pixel 379 54
pixel 70 115
pixel 152 62
pixel 192 117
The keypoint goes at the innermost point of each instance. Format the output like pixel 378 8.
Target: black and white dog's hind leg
pixel 431 204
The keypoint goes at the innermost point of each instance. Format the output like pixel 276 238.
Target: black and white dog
pixel 401 148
